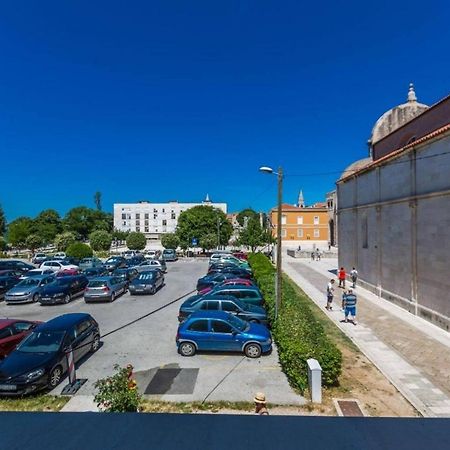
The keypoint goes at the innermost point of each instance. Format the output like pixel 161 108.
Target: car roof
pixel 236 287
pixel 62 322
pixel 5 322
pixel 42 277
pixel 106 278
pixel 222 297
pixel 209 315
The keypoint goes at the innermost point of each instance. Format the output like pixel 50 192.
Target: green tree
pixel 200 221
pixel 47 225
pixel 2 222
pixel 3 245
pixel 136 241
pixel 98 200
pixel 208 241
pixel 252 234
pixel 19 230
pixel 246 214
pixel 33 241
pixel 79 250
pixel 170 240
pixel 63 240
pixel 100 240
pixel 82 221
pixel 120 235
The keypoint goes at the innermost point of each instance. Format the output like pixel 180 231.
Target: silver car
pixel 104 288
pixel 28 290
pixel 150 264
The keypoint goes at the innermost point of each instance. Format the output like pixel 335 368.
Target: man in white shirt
pixel 354 276
pixel 330 294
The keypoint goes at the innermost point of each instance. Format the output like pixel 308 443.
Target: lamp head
pixel 266 169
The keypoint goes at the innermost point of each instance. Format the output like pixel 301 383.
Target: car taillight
pixel 106 288
pixel 86 289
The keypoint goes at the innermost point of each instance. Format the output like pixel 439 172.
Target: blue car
pixel 221 331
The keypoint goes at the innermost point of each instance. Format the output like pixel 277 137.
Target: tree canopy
pixel 82 221
pixel 170 240
pixel 79 250
pixel 136 241
pixel 245 215
pixel 47 225
pixel 64 240
pixel 18 231
pixel 2 222
pixel 100 240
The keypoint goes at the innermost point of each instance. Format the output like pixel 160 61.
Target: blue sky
pixel 164 100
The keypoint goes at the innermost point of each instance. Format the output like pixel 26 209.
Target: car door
pixel 198 331
pixel 232 308
pixel 84 337
pixel 223 337
pixel 8 341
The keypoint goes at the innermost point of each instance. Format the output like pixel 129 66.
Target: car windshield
pixel 41 342
pixel 97 283
pixel 64 263
pixel 29 282
pixel 147 276
pixel 86 260
pixel 112 260
pixel 240 324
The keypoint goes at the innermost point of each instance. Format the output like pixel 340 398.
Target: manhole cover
pixel 172 381
pixel 350 408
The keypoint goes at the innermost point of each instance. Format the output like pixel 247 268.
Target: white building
pixel 154 219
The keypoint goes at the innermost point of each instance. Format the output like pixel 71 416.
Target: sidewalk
pixel 412 353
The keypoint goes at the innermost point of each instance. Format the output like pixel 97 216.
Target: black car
pixel 93 272
pixel 213 280
pixel 63 289
pixel 8 279
pixel 12 264
pixel 236 271
pixel 135 260
pixel 147 282
pixel 251 313
pixel 115 262
pixel 71 260
pixel 40 360
pixel 128 274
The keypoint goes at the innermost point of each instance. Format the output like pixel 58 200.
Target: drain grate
pixel 348 408
pixel 172 381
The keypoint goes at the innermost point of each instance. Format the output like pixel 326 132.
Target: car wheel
pixel 95 343
pixel 55 377
pixel 153 290
pixel 67 299
pixel 252 350
pixel 35 298
pixel 113 296
pixel 187 349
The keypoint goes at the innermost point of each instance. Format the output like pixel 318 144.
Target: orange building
pixel 301 224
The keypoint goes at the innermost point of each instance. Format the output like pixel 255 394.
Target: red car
pixel 12 331
pixel 230 282
pixel 241 255
pixel 65 272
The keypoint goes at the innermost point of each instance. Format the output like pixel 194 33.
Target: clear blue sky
pixel 164 100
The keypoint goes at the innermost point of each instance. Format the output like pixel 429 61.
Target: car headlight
pixel 57 295
pixel 35 374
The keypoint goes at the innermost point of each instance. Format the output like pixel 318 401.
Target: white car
pixel 36 272
pixel 216 257
pixel 151 254
pixel 150 264
pixel 57 266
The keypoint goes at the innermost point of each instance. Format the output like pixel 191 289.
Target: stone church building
pixel 394 210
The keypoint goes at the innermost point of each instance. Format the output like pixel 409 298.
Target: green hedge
pixel 297 333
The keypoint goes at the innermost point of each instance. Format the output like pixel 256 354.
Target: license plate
pixel 139 290
pixel 45 298
pixel 8 387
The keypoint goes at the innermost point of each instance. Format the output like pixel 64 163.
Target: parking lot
pixel 149 345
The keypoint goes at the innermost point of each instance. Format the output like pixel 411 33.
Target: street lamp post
pixel 219 223
pixel 279 174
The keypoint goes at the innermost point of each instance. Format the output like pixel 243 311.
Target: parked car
pixel 68 272
pixel 115 262
pixel 7 282
pixel 152 254
pixel 40 360
pixel 88 263
pixel 248 294
pixel 169 254
pixel 36 272
pixel 12 331
pixel 71 260
pixel 216 256
pixel 236 271
pixel 209 281
pixel 12 264
pixel 57 266
pixel 150 264
pixel 221 331
pixel 63 290
pixel 104 288
pixel 135 260
pixel 59 255
pixel 128 274
pixel 228 282
pixel 39 258
pixel 147 282
pixel 232 260
pixel 129 254
pixel 28 290
pixel 251 313
pixel 95 272
pixel 241 255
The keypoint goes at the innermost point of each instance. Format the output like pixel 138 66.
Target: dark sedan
pixel 40 360
pixel 12 331
pixel 147 282
pixel 11 264
pixel 128 274
pixel 214 279
pixel 7 281
pixel 115 262
pixel 63 290
pixel 236 271
pixel 94 272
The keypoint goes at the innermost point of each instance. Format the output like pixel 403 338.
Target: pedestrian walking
pixel 318 254
pixel 330 295
pixel 312 255
pixel 354 276
pixel 329 245
pixel 341 276
pixel 260 404
pixel 350 301
pixel 299 248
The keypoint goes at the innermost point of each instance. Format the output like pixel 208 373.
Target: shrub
pixel 136 241
pixel 170 240
pixel 33 242
pixel 79 250
pixel 297 333
pixel 118 393
pixel 100 240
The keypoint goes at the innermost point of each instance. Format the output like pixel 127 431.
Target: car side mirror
pixel 234 333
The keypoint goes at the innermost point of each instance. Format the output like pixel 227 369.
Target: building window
pixel 316 220
pixel 155 216
pixel 283 233
pixel 300 232
pixel 146 216
pixel 164 222
pixel 129 216
pixel 138 223
pixel 163 210
pixel 173 216
pixel 155 210
pixel 138 229
pixel 365 234
pixel 316 233
pixel 283 219
pixel 138 216
pixel 124 223
pixel 146 229
pixel 300 220
pixel 124 216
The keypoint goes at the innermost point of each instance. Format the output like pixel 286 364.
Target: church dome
pixel 357 165
pixel 396 117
